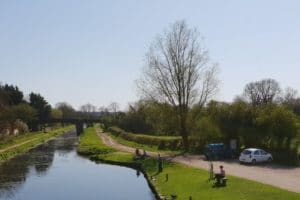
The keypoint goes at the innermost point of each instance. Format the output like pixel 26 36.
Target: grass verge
pixel 33 138
pixel 160 145
pixel 90 144
pixel 153 148
pixel 184 182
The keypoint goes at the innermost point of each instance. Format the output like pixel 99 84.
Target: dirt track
pixel 16 145
pixel 283 177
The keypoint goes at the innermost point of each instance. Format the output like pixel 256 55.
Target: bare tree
pixel 88 108
pixel 209 85
pixel 290 99
pixel 289 96
pixel 178 72
pixel 102 109
pixel 113 107
pixel 262 92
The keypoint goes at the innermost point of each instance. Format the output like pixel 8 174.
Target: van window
pixel 256 152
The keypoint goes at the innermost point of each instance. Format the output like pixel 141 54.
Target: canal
pixel 54 171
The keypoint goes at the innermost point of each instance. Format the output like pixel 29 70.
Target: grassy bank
pixel 24 142
pixel 90 144
pixel 147 142
pixel 185 182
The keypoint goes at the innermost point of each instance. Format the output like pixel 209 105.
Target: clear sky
pixel 93 51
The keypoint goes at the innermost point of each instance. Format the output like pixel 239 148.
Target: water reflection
pixel 14 172
pixel 55 171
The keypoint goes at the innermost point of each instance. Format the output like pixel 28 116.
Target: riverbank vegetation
pixel 22 143
pixel 90 144
pixel 21 113
pixel 147 142
pixel 177 86
pixel 271 124
pixel 146 147
pixel 183 182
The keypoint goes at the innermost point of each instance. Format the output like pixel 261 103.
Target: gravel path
pixel 287 178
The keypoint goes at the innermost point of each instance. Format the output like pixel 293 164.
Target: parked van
pixel 217 151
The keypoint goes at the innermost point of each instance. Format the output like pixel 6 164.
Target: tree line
pixel 24 113
pixel 271 120
pixel 177 87
pixel 20 113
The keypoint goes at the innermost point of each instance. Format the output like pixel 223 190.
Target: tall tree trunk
pixel 183 130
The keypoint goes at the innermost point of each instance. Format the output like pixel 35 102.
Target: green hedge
pixel 162 142
pixel 287 157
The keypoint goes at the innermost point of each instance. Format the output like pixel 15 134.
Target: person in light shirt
pixel 220 175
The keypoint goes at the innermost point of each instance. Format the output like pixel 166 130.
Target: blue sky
pixel 93 51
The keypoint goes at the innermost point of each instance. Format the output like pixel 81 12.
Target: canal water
pixel 54 171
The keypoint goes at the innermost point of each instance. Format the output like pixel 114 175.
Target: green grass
pixel 187 181
pixel 90 144
pixel 162 142
pixel 115 157
pixel 37 137
pixel 153 148
pixel 159 137
pixel 8 141
pixel 140 140
pixel 118 130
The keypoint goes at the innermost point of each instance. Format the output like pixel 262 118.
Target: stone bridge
pixel 79 123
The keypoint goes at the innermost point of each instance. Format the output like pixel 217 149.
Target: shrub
pixel 162 142
pixel 21 126
pixel 288 157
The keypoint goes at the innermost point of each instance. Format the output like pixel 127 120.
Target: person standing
pixel 211 171
pixel 160 164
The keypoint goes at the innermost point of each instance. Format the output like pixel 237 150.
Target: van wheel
pixel 253 162
pixel 270 159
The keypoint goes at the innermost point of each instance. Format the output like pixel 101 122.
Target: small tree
pixel 67 110
pixel 24 112
pixel 56 113
pixel 113 107
pixel 11 94
pixel 42 107
pixel 87 108
pixel 278 124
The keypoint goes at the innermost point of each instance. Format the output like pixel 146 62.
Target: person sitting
pixel 137 153
pixel 222 171
pixel 144 154
pixel 220 175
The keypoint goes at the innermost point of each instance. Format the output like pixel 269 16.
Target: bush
pixel 115 131
pixel 203 132
pixel 21 126
pixel 162 142
pixel 288 157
